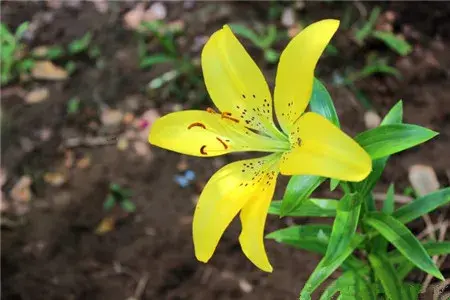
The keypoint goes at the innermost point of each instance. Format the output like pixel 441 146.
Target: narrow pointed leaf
pixel 299 189
pixel 343 241
pixel 423 205
pixel 400 236
pixel 322 104
pixel 389 139
pixel 333 184
pixel 432 248
pixel 380 243
pixel 399 45
pixel 349 284
pixel 312 207
pixel 312 238
pixel 394 116
pixel 385 272
pixel 326 267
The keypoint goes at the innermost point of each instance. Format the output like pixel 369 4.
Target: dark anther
pixel 197 124
pixel 222 142
pixel 202 150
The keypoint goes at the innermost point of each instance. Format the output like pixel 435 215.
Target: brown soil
pixel 52 251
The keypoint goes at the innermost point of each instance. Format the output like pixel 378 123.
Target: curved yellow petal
pixel 295 73
pixel 224 195
pixel 253 218
pixel 202 133
pixel 321 148
pixel 235 83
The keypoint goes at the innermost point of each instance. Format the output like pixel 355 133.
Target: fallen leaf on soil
pixel 54 178
pixel 423 179
pixel 288 17
pixel 111 117
pixel 371 119
pixel 122 143
pixel 48 71
pixel 21 190
pixel 84 162
pixel 105 226
pixel 37 95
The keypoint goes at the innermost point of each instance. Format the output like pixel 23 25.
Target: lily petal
pixel 235 83
pixel 201 133
pixel 223 197
pixel 295 73
pixel 253 218
pixel 321 148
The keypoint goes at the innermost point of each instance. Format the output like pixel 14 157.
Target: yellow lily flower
pixel 307 144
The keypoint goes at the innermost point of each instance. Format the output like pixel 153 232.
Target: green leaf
pixel 70 67
pixel 388 204
pixel 322 104
pixel 389 139
pixel 271 55
pixel 343 241
pixel 394 116
pixel 312 238
pixel 312 207
pixel 247 33
pixel 349 284
pixel 386 273
pixel 412 290
pixel 81 44
pixel 299 188
pixel 376 68
pixel 399 235
pixel 361 34
pixel 109 202
pixel 152 60
pixel 399 45
pixel 422 206
pixel 21 30
pixel 73 106
pixel 128 206
pixel 6 36
pixel 379 242
pixel 326 267
pixel 334 184
pixel 54 52
pixel 345 223
pixel 405 266
pixel 432 248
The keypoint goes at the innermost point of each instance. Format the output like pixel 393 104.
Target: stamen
pixel 222 142
pixel 299 142
pixel 197 124
pixel 227 115
pixel 202 150
pixel 210 110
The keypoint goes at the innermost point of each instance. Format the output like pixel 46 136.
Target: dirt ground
pixel 51 250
